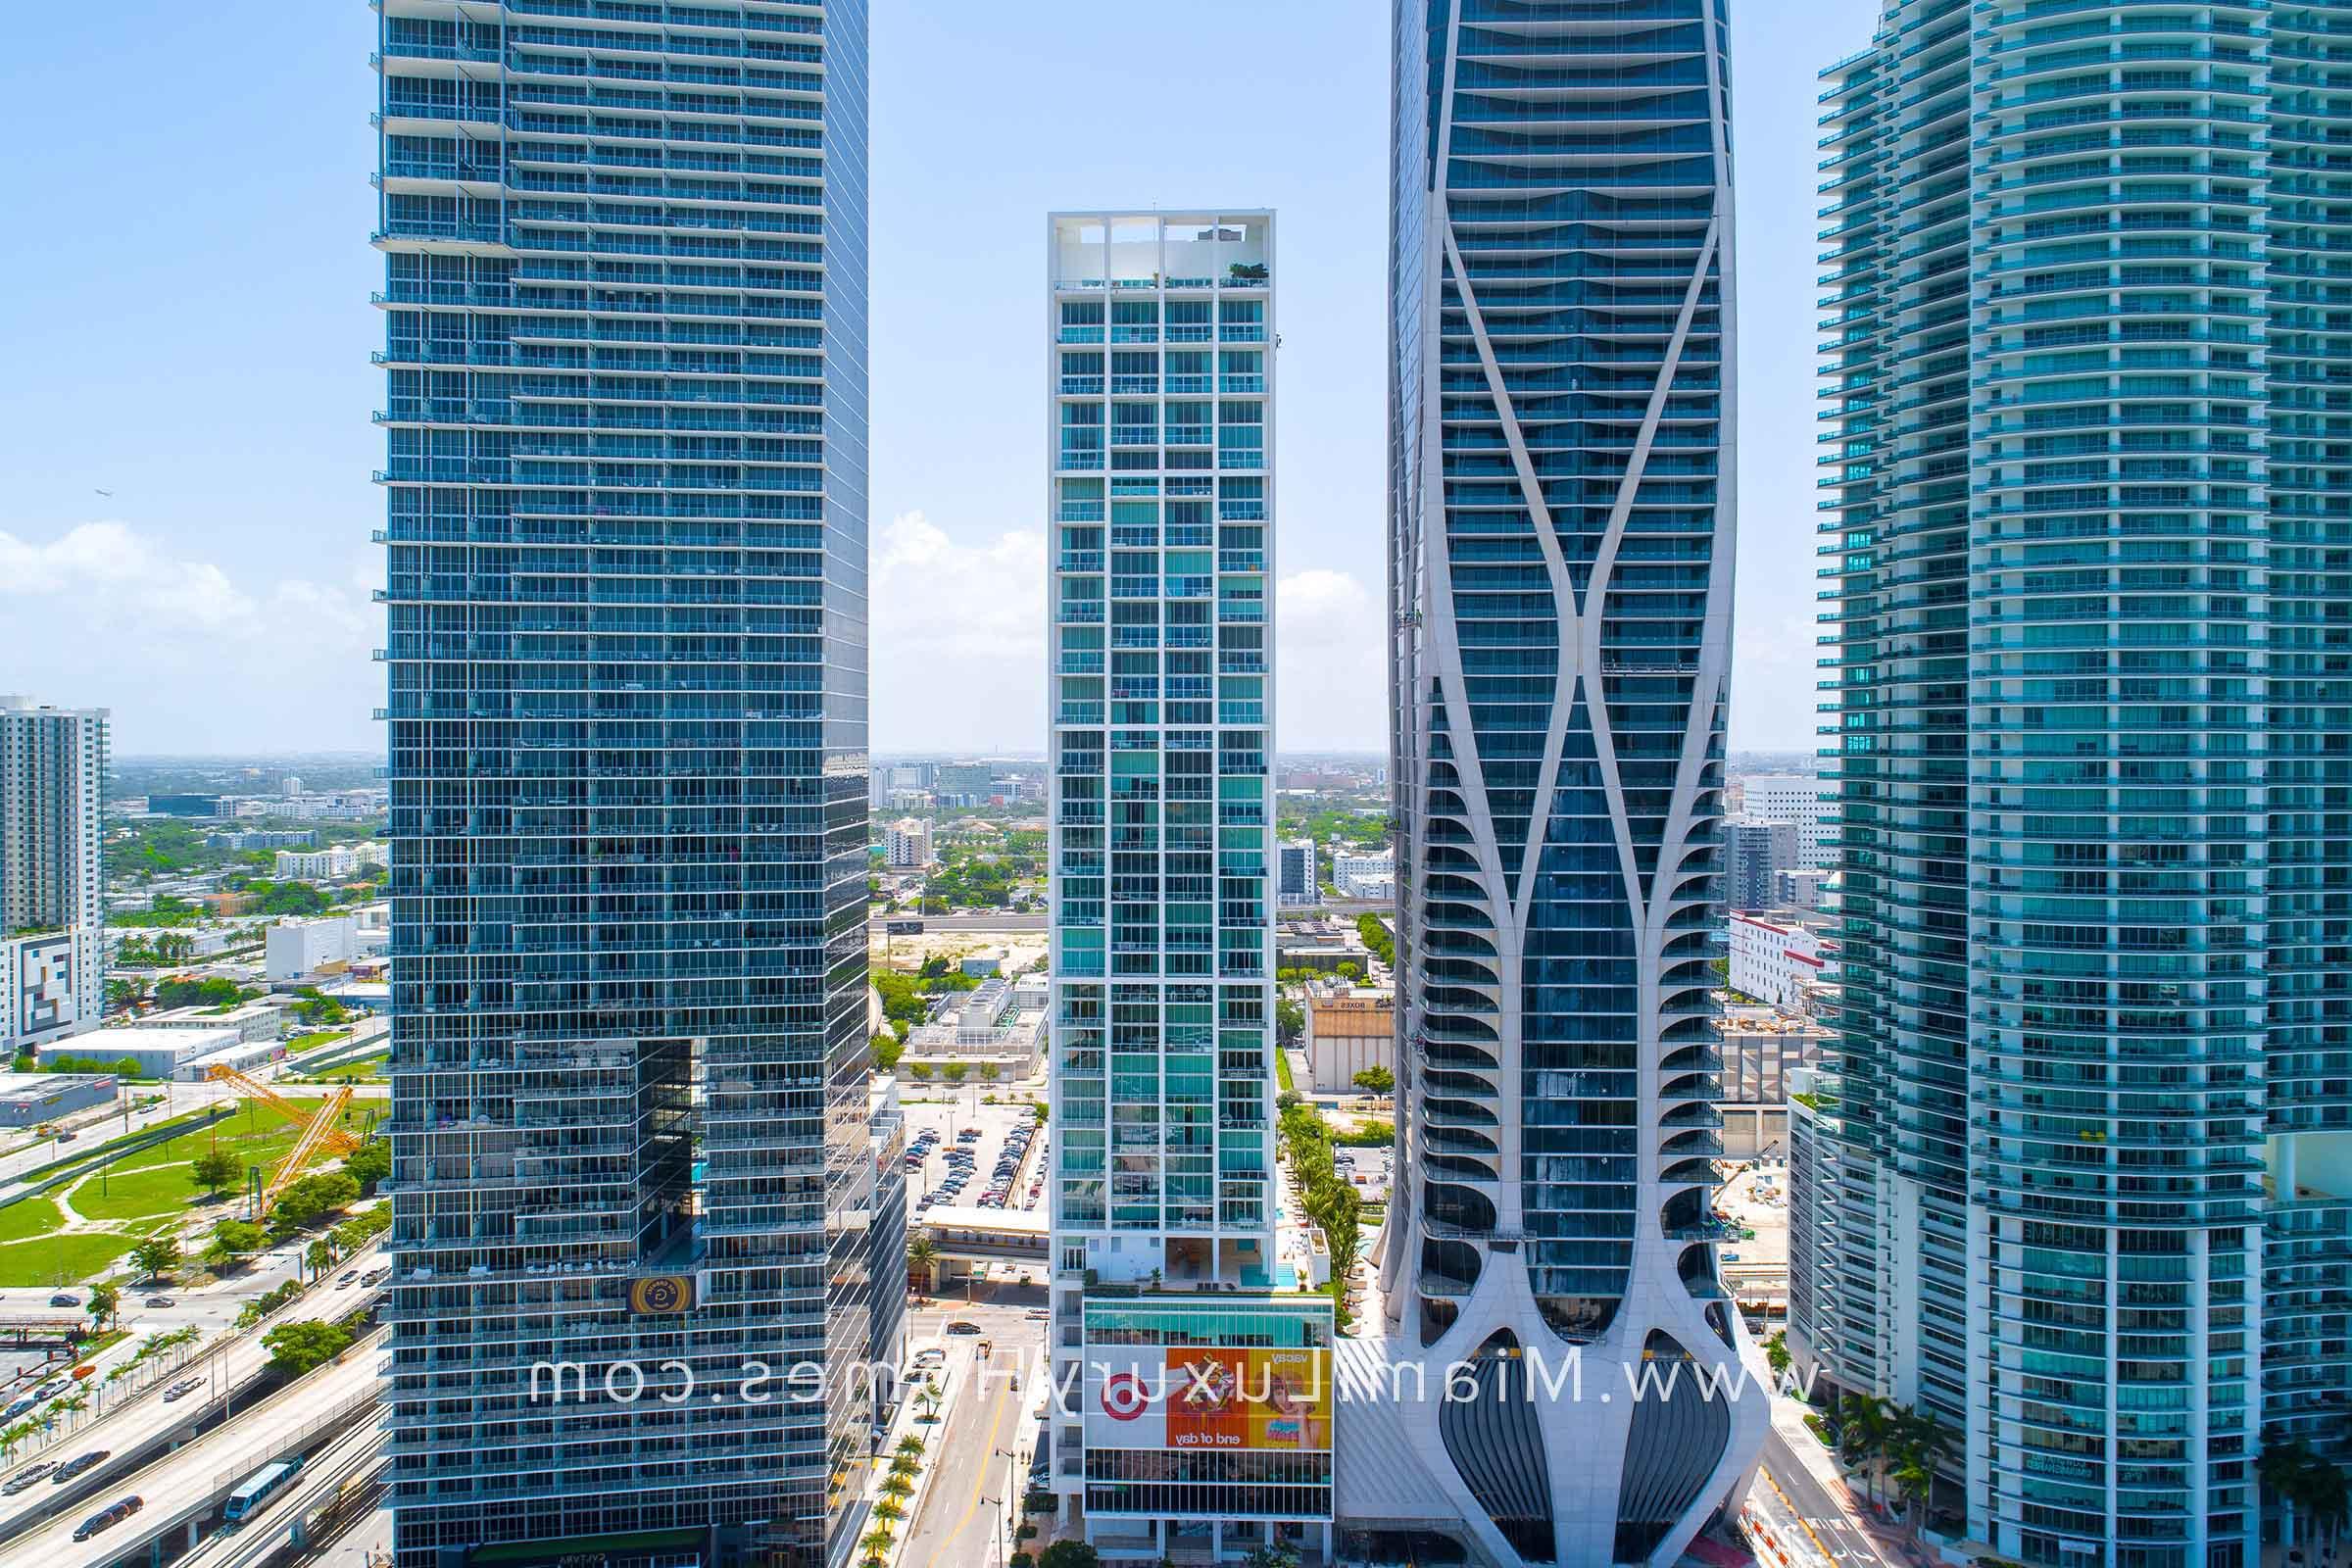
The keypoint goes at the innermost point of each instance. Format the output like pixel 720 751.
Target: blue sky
pixel 183 304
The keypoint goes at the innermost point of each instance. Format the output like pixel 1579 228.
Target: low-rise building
pixel 1774 961
pixel 1349 1030
pixel 28 1098
pixel 337 863
pixel 254 1020
pixel 298 947
pixel 1762 1049
pixel 1321 946
pixel 141 1050
pixel 1799 888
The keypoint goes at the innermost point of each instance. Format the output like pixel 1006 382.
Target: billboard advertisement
pixel 1209 1396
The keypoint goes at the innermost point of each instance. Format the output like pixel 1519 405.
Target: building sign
pixel 662 1294
pixel 1210 1396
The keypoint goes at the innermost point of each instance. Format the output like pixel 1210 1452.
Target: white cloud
pixel 957 639
pixel 190 659
pixel 1331 654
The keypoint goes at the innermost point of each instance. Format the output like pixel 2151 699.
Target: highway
pixel 131 1425
pixel 185 1486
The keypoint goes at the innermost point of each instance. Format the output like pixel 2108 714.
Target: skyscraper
pixel 1560 536
pixel 1167 1237
pixel 52 886
pixel 2087 521
pixel 625 283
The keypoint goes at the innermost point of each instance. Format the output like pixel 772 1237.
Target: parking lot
pixel 1009 1155
pixel 1367 1169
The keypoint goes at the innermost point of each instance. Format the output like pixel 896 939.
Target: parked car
pixel 960 1326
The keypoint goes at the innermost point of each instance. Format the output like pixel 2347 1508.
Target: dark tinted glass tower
pixel 624 306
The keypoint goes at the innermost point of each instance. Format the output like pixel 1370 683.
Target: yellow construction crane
pixel 319 1129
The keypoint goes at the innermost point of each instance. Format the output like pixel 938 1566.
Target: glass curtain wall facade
pixel 1160 400
pixel 1561 527
pixel 2086 525
pixel 624 309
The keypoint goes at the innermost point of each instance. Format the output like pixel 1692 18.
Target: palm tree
pixel 2286 1471
pixel 890 1508
pixel 923 1253
pixel 2328 1497
pixel 910 1445
pixel 1864 1433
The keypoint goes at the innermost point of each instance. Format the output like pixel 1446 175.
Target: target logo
pixel 1124 1397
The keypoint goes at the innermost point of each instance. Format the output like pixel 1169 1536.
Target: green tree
pixel 216 1169
pixel 106 1304
pixel 298 1347
pixel 1069 1554
pixel 956 1072
pixel 1289 1020
pixel 1376 1081
pixel 369 1164
pixel 319 1256
pixel 312 1198
pixel 887 1051
pixel 156 1256
pixel 240 1236
pixel 1776 1354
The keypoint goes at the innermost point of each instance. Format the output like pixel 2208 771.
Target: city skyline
pixel 270 583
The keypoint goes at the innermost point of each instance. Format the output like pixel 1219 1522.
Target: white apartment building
pixel 52 900
pixel 907 844
pixel 332 864
pixel 1792 798
pixel 1365 877
pixel 1773 960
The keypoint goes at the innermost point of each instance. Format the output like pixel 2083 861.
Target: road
pixel 1825 1531
pixel 985 920
pixel 125 1422
pixel 186 1483
pixel 961 1520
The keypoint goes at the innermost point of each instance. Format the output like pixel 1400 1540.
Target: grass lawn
pixel 354 1072
pixel 71 1258
pixel 134 1194
pixel 314 1040
pixel 34 1216
pixel 255 1135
